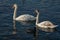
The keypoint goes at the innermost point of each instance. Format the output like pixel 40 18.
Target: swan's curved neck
pixel 37 20
pixel 15 9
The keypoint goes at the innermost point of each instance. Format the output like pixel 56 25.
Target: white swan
pixel 44 24
pixel 25 17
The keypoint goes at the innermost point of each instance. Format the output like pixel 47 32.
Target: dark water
pixel 49 10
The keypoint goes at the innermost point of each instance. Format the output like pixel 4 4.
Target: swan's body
pixel 25 17
pixel 44 24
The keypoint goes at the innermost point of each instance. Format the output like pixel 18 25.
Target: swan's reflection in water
pixel 26 23
pixel 14 27
pixel 34 30
pixel 47 29
pixel 44 32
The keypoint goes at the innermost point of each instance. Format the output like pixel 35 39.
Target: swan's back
pixel 46 24
pixel 25 17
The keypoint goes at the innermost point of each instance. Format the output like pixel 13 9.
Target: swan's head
pixel 14 6
pixel 37 11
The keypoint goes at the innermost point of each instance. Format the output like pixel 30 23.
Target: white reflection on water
pixel 14 27
pixel 22 23
pixel 26 22
pixel 36 30
pixel 47 29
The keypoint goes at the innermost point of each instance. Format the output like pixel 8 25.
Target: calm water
pixel 49 10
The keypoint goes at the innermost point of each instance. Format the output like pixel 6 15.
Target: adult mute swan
pixel 25 17
pixel 44 24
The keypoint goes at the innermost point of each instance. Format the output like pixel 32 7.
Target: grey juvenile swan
pixel 25 17
pixel 44 24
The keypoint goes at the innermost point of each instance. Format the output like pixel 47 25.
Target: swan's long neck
pixel 37 20
pixel 14 16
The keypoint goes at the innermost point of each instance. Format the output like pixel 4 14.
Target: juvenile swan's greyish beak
pixel 36 11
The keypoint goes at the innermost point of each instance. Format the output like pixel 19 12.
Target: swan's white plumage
pixel 25 17
pixel 44 24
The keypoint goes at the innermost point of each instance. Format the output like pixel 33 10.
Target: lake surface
pixel 49 10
